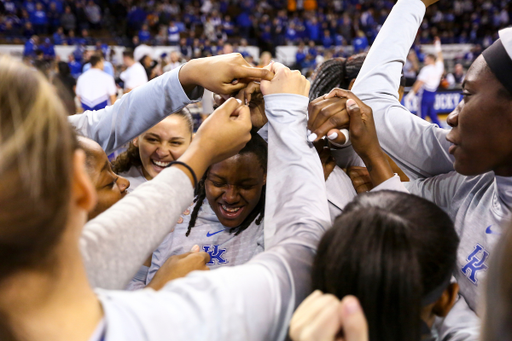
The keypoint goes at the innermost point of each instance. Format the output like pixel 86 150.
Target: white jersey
pixel 134 76
pixel 431 75
pixel 94 87
pixel 212 237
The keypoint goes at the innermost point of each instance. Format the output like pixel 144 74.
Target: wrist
pixel 186 76
pixel 196 158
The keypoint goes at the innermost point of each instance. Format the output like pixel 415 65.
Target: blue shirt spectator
pixel 360 43
pixel 48 49
pixel 144 35
pixel 327 40
pixel 30 47
pixel 76 68
pixel 313 29
pixel 38 17
pixel 58 37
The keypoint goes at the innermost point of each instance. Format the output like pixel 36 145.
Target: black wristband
pixel 187 167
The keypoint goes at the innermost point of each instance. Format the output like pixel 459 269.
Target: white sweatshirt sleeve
pixel 117 242
pixel 419 148
pixel 135 112
pixel 254 301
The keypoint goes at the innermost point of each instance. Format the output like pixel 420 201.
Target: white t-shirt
pixel 431 76
pixel 94 87
pixel 134 76
pixel 135 176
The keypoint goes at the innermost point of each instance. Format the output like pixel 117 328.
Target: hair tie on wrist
pixel 187 167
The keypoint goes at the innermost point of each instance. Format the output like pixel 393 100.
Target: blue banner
pixel 446 101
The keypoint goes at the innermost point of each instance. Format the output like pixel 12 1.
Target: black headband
pixel 500 63
pixel 436 293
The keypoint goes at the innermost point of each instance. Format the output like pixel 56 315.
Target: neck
pixel 55 304
pixel 130 63
pixel 503 171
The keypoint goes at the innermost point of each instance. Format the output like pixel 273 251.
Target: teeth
pixel 160 163
pixel 231 210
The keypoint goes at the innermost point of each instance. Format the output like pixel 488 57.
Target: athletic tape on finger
pixel 347 139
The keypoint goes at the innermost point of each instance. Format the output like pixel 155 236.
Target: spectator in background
pixel 53 17
pixel 39 20
pixel 265 59
pixel 28 30
pixel 144 35
pixel 360 43
pixel 174 62
pixel 68 20
pixel 313 29
pixel 327 41
pixel 31 46
pixel 300 56
pixel 94 87
pixel 75 66
pixel 135 74
pixel 173 33
pixel 48 49
pixel 58 37
pixel 456 78
pixel 185 50
pixel 93 13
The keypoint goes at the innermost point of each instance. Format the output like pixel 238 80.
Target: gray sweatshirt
pixel 479 205
pixel 253 301
pixel 115 243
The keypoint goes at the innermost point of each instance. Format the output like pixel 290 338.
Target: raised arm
pixel 418 147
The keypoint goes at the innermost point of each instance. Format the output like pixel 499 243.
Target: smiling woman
pixel 152 151
pixel 230 199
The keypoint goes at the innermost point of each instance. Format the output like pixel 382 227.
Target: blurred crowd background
pixel 319 30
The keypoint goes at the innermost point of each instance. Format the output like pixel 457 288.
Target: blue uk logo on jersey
pixel 476 262
pixel 215 253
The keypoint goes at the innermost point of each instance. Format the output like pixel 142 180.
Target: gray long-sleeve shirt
pixel 253 301
pixel 479 205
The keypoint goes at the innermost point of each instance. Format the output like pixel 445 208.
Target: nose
pixel 453 117
pixel 162 152
pixel 230 195
pixel 123 183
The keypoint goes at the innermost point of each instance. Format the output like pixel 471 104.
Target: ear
pixel 264 179
pixel 83 192
pixel 135 141
pixel 351 84
pixel 445 303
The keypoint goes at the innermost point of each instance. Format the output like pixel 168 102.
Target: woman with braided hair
pixel 226 217
pixel 335 73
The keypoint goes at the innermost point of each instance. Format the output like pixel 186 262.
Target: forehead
pixel 479 72
pixel 174 125
pixel 96 157
pixel 238 167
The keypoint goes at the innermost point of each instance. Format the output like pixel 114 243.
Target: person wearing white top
pixel 94 87
pixel 135 75
pixel 428 80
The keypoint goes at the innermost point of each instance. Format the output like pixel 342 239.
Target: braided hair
pixel 258 147
pixel 335 73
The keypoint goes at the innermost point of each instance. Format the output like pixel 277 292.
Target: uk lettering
pixel 216 254
pixel 476 262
